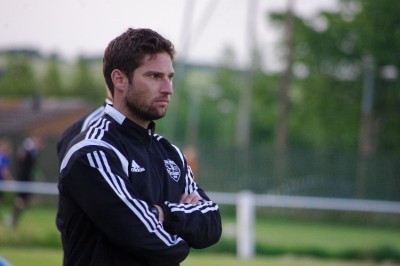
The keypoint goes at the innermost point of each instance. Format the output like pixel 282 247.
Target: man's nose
pixel 167 86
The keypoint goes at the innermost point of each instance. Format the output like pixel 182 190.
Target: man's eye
pixel 155 76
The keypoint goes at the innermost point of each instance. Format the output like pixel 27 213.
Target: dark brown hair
pixel 127 51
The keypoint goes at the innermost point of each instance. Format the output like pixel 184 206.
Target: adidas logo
pixel 135 168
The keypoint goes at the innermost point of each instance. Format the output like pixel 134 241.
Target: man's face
pixel 148 95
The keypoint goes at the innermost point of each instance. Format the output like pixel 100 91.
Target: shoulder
pixel 100 133
pixel 92 117
pixel 70 133
pixel 100 139
pixel 73 130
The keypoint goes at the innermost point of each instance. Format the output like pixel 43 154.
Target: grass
pixel 36 228
pixel 285 260
pixel 279 242
pixel 325 240
pixel 328 240
pixel 48 256
pixel 20 256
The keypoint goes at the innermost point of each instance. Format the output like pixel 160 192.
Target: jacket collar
pixel 127 123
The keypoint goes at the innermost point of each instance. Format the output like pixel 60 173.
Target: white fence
pixel 30 187
pixel 245 202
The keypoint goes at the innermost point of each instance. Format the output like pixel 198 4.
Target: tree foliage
pixel 331 49
pixel 52 84
pixel 25 74
pixel 18 78
pixel 336 54
pixel 84 84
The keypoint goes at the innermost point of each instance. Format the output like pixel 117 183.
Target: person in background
pixel 190 152
pixel 80 125
pixel 4 262
pixel 5 153
pixel 127 195
pixel 26 163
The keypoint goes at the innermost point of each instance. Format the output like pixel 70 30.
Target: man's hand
pixel 192 198
pixel 161 213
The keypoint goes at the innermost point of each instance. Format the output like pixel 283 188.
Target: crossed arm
pixel 192 198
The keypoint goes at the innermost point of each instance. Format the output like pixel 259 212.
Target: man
pixel 79 126
pixel 127 195
pixel 27 156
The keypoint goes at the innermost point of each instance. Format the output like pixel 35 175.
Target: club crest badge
pixel 173 170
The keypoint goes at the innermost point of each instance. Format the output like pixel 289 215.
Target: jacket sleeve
pixel 198 224
pixel 96 181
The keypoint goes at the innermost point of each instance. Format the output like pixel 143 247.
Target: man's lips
pixel 163 101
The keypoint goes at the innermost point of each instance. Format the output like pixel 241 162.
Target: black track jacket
pixel 110 176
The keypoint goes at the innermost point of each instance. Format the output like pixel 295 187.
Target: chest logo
pixel 173 170
pixel 135 168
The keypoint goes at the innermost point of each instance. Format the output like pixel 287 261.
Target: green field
pixel 279 242
pixel 48 256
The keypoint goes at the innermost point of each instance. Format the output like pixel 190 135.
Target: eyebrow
pixel 152 72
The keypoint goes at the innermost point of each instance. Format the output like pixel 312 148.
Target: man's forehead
pixel 158 62
pixel 157 57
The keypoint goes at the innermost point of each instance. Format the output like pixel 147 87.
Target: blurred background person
pixel 5 172
pixel 190 152
pixel 26 163
pixel 5 153
pixel 80 126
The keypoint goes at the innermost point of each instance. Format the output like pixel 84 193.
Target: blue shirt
pixel 4 164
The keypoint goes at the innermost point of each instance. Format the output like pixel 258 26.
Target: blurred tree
pixel 246 93
pixel 324 103
pixel 264 107
pixel 282 122
pixel 84 84
pixel 220 106
pixel 329 66
pixel 378 26
pixel 221 103
pixel 18 78
pixel 283 112
pixel 51 83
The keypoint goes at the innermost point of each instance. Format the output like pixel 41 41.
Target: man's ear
pixel 119 78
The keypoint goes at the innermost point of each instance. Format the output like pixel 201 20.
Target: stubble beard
pixel 138 107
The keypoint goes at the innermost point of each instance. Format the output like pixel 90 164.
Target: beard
pixel 142 109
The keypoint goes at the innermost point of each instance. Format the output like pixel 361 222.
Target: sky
pixel 200 29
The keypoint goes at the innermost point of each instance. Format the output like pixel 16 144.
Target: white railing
pixel 322 203
pixel 245 202
pixel 29 187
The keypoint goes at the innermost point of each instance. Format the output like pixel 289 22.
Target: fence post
pixel 245 224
